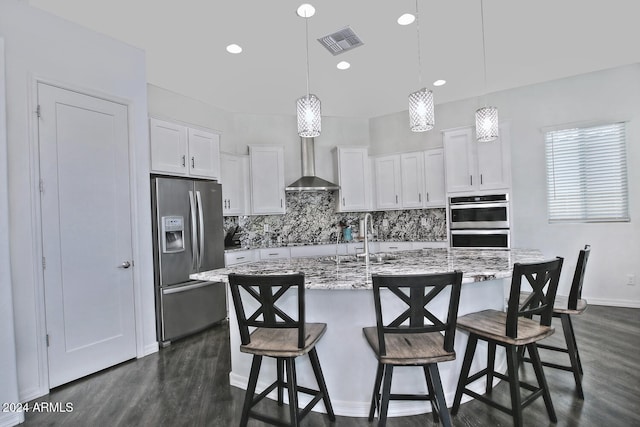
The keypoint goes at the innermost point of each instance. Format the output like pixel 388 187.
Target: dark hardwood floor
pixel 186 384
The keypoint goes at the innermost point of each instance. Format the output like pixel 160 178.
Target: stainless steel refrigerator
pixel 188 238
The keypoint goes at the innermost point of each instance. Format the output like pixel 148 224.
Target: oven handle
pixel 484 231
pixel 479 205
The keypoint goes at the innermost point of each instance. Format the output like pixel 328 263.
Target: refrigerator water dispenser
pixel 172 234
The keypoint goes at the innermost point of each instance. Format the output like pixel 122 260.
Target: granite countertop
pixel 298 244
pixel 351 273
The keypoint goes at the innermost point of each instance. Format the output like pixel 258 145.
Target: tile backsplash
pixel 311 218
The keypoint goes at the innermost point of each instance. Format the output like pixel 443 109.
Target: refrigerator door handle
pixel 194 235
pixel 201 229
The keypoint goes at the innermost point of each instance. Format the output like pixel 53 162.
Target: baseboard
pixel 361 409
pixel 31 394
pixel 613 302
pixel 9 419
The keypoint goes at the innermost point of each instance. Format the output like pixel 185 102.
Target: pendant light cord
pixel 484 52
pixel 419 57
pixel 306 27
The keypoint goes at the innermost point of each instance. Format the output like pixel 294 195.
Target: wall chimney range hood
pixel 309 180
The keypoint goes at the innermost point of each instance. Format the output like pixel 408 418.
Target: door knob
pixel 125 264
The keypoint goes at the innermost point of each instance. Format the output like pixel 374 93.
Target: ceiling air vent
pixel 341 41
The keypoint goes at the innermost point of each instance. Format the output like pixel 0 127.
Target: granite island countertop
pixel 351 273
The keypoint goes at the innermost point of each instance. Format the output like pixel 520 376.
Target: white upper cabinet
pixel 410 180
pixel 266 169
pixel 204 154
pixel 234 184
pixel 183 151
pixel 388 182
pixel 434 190
pixel 353 178
pixel 413 191
pixel 473 166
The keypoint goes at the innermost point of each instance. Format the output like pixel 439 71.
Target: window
pixel 587 174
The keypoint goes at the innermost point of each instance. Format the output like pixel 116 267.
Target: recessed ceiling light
pixel 306 10
pixel 343 65
pixel 234 48
pixel 406 19
pixel 439 82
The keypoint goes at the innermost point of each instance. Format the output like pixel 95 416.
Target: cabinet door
pixel 460 162
pixel 388 182
pixel 412 166
pixel 494 162
pixel 232 175
pixel 168 147
pixel 435 195
pixel 204 154
pixel 353 178
pixel 266 166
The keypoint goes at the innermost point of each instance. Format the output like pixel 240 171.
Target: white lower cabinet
pixel 275 253
pixel 239 257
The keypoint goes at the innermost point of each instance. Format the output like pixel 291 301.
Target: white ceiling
pixel 526 43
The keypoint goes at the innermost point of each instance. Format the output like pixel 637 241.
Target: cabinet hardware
pixel 184 160
pixel 280 202
pixel 193 162
pixel 427 196
pixel 240 257
pixel 396 199
pixel 273 254
pixel 480 179
pixel 420 197
pixel 471 179
pixel 343 201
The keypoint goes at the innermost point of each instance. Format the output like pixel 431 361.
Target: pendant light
pixel 486 117
pixel 421 114
pixel 308 107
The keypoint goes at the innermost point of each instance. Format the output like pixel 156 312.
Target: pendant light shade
pixel 309 118
pixel 486 124
pixel 421 113
pixel 308 107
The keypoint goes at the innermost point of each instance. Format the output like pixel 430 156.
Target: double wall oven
pixel 480 221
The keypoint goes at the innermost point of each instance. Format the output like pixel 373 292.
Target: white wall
pixel 609 95
pixel 39 45
pixel 8 367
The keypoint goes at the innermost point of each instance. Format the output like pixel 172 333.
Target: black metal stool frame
pixel 422 290
pixel 261 288
pixel 541 276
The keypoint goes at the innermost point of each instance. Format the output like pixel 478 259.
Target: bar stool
pixel 563 308
pixel 279 336
pixel 512 330
pixel 417 343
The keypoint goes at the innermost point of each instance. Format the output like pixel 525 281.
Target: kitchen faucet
pixel 366 254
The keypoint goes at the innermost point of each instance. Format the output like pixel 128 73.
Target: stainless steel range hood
pixel 309 180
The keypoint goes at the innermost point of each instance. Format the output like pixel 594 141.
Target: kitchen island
pixel 338 293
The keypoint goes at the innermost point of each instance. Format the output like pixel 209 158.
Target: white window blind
pixel 587 174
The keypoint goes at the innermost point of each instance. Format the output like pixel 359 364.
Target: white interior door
pixel 86 233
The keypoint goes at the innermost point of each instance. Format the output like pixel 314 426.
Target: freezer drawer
pixel 189 308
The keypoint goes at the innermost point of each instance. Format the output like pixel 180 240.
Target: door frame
pixel 36 219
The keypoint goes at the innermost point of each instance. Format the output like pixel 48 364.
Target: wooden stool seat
pixel 561 305
pixel 283 342
pixel 416 337
pixel 492 324
pixel 410 349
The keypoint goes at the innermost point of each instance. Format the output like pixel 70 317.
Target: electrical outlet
pixel 423 222
pixel 631 279
pixel 385 223
pixel 266 228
